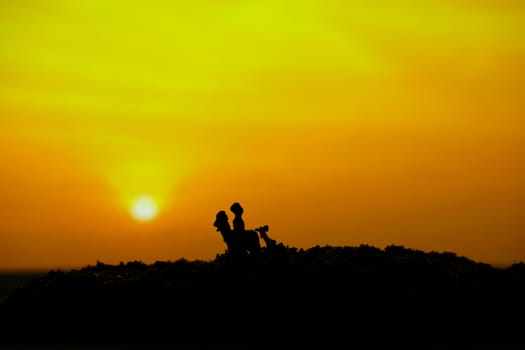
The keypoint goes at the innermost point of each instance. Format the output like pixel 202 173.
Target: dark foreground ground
pixel 9 281
pixel 320 298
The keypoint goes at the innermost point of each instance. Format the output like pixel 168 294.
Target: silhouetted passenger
pixel 223 226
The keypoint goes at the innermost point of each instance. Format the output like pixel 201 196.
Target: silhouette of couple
pixel 241 242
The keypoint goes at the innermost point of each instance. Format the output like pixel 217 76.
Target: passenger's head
pixel 236 208
pixel 221 220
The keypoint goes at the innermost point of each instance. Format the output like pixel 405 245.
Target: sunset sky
pixel 334 122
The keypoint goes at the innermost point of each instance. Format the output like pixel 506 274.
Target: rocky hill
pixel 322 297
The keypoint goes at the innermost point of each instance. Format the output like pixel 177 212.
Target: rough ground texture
pixel 321 297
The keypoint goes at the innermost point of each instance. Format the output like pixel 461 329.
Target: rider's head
pixel 236 208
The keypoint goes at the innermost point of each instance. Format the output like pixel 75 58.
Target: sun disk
pixel 144 208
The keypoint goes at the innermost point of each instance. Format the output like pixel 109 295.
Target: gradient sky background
pixel 335 122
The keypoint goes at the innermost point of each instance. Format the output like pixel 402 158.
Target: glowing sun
pixel 144 208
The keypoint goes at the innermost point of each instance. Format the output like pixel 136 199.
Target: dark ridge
pixel 322 297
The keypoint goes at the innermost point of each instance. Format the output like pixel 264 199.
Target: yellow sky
pixel 335 122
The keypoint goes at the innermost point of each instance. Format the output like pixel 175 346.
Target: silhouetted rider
pixel 238 222
pixel 249 239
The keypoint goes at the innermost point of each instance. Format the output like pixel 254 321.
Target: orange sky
pixel 334 122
